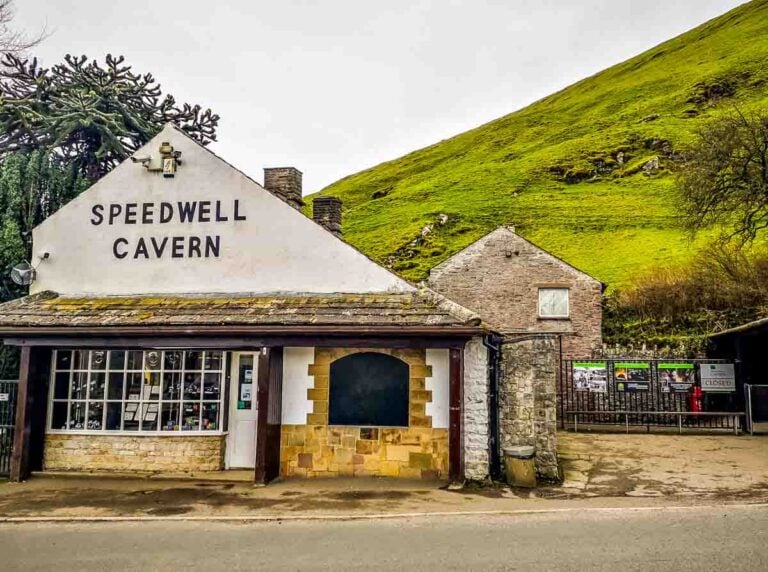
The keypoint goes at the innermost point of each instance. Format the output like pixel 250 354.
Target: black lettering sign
pixel 204 214
pixel 177 247
pixel 166 212
pixel 130 213
pixel 141 249
pixel 220 217
pixel 187 211
pixel 238 216
pixel 212 246
pixel 98 215
pixel 116 252
pixel 147 213
pixel 194 247
pixel 114 212
pixel 159 248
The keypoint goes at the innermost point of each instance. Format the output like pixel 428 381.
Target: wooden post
pixel 21 437
pixel 31 407
pixel 455 421
pixel 274 415
pixel 268 423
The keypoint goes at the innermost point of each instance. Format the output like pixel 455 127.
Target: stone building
pixel 520 289
pixel 545 310
pixel 185 318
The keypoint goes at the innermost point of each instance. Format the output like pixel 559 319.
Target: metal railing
pixel 649 403
pixel 8 392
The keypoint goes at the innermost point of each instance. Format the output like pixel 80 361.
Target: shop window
pixel 369 388
pixel 135 390
pixel 554 303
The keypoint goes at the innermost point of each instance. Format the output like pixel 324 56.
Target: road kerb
pixel 366 516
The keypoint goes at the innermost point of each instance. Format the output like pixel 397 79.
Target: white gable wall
pixel 275 249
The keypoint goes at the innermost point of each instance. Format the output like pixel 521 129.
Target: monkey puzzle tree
pixel 87 115
pixel 63 128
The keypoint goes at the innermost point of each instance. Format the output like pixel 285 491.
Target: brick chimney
pixel 284 182
pixel 326 211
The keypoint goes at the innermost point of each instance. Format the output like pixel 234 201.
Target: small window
pixel 553 303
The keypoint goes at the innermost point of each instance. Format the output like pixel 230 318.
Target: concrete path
pixel 601 471
pixel 720 539
pixel 640 465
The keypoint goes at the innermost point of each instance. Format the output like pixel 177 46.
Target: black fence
pixel 644 393
pixel 8 391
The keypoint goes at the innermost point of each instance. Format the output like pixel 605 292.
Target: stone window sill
pixel 138 433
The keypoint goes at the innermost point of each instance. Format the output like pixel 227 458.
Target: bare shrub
pixel 724 177
pixel 720 278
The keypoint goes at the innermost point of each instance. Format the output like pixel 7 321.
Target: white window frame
pixel 220 430
pixel 567 314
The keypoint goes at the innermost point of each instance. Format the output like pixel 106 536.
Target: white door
pixel 241 440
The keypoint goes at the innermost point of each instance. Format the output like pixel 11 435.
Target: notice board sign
pixel 717 377
pixel 632 376
pixel 590 376
pixel 676 376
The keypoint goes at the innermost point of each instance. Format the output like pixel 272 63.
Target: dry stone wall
pixel 528 398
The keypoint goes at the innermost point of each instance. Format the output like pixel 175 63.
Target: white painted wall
pixel 438 384
pixel 277 249
pixel 476 420
pixel 296 382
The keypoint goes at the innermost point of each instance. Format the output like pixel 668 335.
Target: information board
pixel 717 377
pixel 632 376
pixel 676 376
pixel 590 376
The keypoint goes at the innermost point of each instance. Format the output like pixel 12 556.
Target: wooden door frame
pixel 269 416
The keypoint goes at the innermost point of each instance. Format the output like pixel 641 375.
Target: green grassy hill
pixel 567 171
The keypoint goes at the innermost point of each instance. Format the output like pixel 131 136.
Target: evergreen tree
pixel 88 115
pixel 63 128
pixel 31 189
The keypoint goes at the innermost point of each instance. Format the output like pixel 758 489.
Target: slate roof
pixel 422 308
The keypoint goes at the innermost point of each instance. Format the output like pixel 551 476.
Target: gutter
pixel 493 343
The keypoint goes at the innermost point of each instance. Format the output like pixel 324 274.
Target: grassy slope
pixel 511 171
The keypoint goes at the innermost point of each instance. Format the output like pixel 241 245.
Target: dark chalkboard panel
pixel 369 389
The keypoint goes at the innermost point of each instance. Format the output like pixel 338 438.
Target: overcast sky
pixel 332 87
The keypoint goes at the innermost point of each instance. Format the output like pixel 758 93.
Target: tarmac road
pixel 722 538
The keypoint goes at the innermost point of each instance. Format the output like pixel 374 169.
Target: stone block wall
pixel 129 453
pixel 528 398
pixel 326 451
pixel 317 449
pixel 499 277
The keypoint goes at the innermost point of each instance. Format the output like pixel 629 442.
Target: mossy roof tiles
pixel 422 308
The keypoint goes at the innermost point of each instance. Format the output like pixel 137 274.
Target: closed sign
pixel 717 377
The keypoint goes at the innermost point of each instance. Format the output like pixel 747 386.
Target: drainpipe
pixel 493 343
